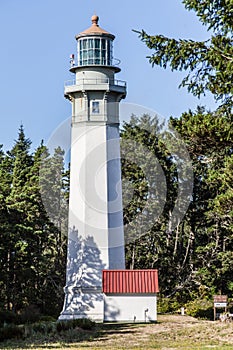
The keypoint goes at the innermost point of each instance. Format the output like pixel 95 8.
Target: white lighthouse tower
pixel 96 236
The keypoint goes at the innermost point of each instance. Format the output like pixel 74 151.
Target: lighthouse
pixel 96 235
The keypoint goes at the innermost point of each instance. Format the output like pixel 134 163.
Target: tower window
pixel 95 107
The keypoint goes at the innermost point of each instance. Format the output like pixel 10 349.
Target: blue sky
pixel 37 38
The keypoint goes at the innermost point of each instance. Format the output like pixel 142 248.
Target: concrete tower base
pixel 83 303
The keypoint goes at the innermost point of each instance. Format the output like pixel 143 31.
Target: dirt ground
pixel 172 332
pixel 169 333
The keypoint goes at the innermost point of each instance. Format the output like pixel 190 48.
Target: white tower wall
pixel 95 208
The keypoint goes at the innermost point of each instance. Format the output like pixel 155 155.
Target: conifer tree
pixel 19 233
pixel 207 227
pixel 5 229
pixel 51 178
pixel 209 63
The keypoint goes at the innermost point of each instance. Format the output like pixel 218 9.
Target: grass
pixel 171 332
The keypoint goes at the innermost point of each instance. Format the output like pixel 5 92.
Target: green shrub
pixel 43 327
pixel 63 326
pixel 83 323
pixel 200 308
pixel 30 314
pixel 11 331
pixel 8 317
pixel 47 319
pixel 167 305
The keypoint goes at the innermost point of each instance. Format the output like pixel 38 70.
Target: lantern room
pixel 95 46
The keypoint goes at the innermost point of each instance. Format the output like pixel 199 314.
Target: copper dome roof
pixel 95 29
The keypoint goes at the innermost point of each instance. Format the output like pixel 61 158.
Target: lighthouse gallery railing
pixel 96 82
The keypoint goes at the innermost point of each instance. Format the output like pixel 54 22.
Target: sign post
pixel 220 301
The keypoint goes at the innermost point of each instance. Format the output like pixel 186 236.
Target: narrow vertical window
pixel 95 107
pixel 103 51
pixel 109 53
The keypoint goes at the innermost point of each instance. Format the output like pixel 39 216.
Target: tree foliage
pixel 196 255
pixel 205 234
pixel 32 247
pixel 215 14
pixel 209 64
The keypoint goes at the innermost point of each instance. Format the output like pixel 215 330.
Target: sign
pixel 220 304
pixel 219 301
pixel 220 298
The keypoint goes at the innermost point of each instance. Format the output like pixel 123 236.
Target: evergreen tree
pixel 53 180
pixel 5 229
pixel 32 240
pixel 208 137
pixel 206 230
pixel 209 63
pixel 19 234
pixel 152 174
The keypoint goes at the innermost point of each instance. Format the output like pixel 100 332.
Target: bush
pixel 167 305
pixel 30 314
pixel 47 319
pixel 63 326
pixel 43 327
pixel 11 331
pixel 200 308
pixel 8 317
pixel 83 323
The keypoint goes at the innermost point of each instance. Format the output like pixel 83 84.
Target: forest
pixel 190 245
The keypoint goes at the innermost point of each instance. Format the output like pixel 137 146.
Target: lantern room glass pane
pixel 90 53
pixel 90 43
pixel 103 42
pixel 109 53
pixel 95 51
pixel 84 55
pixel 84 44
pixel 97 43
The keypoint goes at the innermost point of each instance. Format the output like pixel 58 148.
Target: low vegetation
pixel 42 328
pixel 170 332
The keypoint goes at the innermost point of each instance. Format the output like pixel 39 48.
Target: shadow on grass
pixel 100 331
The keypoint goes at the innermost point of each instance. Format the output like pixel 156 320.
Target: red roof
pixel 130 281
